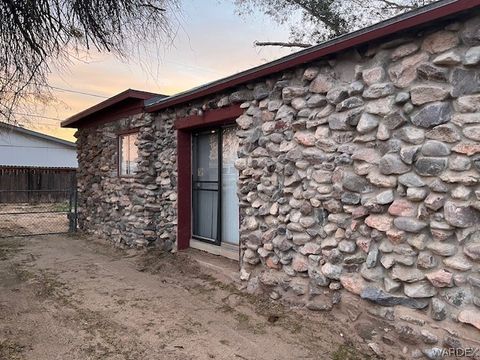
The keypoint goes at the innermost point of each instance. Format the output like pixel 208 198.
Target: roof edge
pixel 409 20
pixel 111 101
pixel 38 134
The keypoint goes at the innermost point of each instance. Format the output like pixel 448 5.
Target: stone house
pixel 356 163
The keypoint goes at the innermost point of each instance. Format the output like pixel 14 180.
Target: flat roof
pixel 421 16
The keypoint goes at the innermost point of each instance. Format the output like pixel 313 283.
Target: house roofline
pixel 114 100
pixel 429 13
pixel 37 134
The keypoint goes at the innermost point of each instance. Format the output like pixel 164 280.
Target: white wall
pixel 26 150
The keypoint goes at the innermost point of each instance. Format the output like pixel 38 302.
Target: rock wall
pixel 358 175
pixel 129 211
pixel 362 172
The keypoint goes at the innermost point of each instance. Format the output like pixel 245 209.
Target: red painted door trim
pixel 184 127
pixel 214 117
pixel 184 189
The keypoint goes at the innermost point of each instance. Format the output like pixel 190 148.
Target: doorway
pixel 215 206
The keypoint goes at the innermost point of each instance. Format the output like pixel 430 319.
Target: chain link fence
pixel 37 212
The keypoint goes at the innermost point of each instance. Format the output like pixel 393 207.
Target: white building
pixel 27 148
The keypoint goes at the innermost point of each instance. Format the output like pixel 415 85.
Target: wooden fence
pixel 33 185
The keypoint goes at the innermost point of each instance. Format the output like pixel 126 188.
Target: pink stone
pixel 379 222
pixel 440 41
pixel 396 236
pixel 467 148
pixel 269 262
pixel 355 224
pixel 404 50
pixel 405 71
pixel 471 317
pixel 441 278
pixel 401 207
pixel 359 212
pixel 322 83
pixel 364 244
pixel 267 116
pixel 305 138
pixel 353 283
pixel 244 121
pixel 300 263
pixel 373 75
pixel 310 248
pixel 370 156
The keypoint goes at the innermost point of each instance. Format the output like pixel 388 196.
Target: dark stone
pixel 408 334
pixel 431 72
pixel 350 103
pixel 379 90
pixel 411 180
pixel 355 183
pixel 260 92
pixel 444 133
pixel 433 114
pixel 344 120
pixel 350 198
pixel 471 32
pixel 476 163
pixel 464 82
pixel 462 216
pixel 241 96
pixel 435 148
pixel 438 310
pixel 337 95
pixel 457 296
pixel 428 166
pixel 394 120
pixel 382 298
pixel 409 224
pixel 452 343
pixel 392 164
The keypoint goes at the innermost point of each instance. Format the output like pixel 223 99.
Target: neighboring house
pixel 356 163
pixel 20 147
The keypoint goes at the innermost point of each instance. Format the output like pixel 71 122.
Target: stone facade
pixel 359 173
pixel 362 173
pixel 129 211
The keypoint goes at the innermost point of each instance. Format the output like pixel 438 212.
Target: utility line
pixel 77 92
pixel 38 116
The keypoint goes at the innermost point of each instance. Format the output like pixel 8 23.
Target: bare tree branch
pixel 36 36
pixel 324 19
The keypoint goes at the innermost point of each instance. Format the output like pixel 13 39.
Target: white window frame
pixel 128 172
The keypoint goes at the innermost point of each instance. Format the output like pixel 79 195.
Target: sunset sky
pixel 212 42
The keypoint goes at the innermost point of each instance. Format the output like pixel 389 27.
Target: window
pixel 128 154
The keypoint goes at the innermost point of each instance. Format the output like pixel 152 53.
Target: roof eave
pixel 429 13
pixel 112 101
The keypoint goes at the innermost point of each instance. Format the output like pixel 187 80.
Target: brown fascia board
pixel 419 17
pixel 111 102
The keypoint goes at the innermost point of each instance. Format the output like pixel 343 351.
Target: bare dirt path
pixel 69 297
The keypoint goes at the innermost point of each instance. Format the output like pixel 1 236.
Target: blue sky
pixel 212 41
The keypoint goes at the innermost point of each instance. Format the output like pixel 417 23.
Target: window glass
pixel 128 154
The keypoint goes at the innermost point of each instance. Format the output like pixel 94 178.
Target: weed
pixel 348 352
pixel 11 350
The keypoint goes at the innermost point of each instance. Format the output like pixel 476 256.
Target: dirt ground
pixel 72 297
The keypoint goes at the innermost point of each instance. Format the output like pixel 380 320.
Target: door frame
pixel 185 126
pixel 218 131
